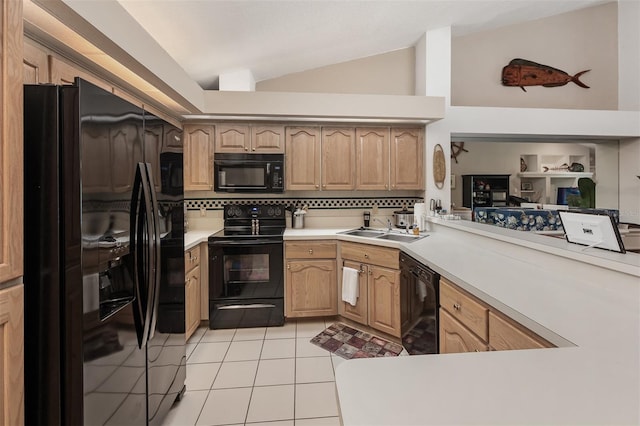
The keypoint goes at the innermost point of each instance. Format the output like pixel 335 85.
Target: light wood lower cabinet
pixel 455 338
pixel 12 355
pixel 311 279
pixel 192 283
pixel 467 324
pixel 378 304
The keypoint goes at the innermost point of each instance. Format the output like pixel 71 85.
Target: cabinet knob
pixel 456 306
pixel 310 251
pixel 324 186
pixel 288 267
pixel 253 149
pixel 366 256
pixel 317 186
pixel 246 149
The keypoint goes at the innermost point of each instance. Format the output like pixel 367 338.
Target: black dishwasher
pixel 419 305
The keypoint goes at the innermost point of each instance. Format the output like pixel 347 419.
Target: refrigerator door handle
pixel 149 259
pixel 154 275
pixel 137 253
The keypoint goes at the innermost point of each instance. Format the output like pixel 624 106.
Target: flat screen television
pixel 592 230
pixel 563 195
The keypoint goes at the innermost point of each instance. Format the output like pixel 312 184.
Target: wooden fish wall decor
pixel 521 72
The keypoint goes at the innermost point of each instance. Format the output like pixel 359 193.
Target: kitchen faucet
pixel 388 224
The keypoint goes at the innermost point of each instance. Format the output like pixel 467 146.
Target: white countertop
pixel 597 381
pixel 195 237
pixel 586 303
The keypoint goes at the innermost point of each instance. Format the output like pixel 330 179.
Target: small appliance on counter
pixel 403 218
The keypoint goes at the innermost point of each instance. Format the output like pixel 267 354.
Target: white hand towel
pixel 421 291
pixel 350 288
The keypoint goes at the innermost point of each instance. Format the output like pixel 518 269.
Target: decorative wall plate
pixel 439 166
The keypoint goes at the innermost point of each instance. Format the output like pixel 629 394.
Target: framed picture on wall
pixel 453 181
pixel 526 186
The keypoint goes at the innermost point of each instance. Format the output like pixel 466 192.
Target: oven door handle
pixel 250 306
pixel 244 242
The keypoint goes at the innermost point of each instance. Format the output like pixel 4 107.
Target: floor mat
pixel 348 343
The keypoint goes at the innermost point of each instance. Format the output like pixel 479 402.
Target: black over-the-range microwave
pixel 262 173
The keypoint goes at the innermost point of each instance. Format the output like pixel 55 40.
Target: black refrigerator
pixel 104 259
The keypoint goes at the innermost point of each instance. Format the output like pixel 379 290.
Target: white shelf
pixel 552 175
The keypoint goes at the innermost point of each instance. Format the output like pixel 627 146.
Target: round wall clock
pixel 439 166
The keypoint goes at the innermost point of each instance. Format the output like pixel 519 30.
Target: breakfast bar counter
pixel 589 309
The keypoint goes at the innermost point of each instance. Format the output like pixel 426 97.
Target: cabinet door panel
pixel 384 300
pixel 267 139
pixel 192 306
pixel 152 148
pixel 506 335
pixel 464 308
pixel 372 158
pixel 338 158
pixel 311 288
pixel 407 159
pixel 12 355
pixel 455 338
pixel 11 142
pixel 232 138
pixel 35 65
pixel 303 158
pixel 198 157
pixel 356 313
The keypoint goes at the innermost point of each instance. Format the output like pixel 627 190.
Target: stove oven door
pixel 246 283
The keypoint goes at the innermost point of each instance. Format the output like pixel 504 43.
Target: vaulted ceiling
pixel 272 38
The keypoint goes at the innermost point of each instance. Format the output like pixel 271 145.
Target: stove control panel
pixel 254 211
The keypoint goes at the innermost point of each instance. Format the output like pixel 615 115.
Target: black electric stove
pixel 246 277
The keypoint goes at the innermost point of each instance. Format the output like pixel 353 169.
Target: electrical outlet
pixel 203 211
pixel 374 210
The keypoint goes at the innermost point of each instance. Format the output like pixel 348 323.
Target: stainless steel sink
pixel 383 235
pixel 364 233
pixel 400 237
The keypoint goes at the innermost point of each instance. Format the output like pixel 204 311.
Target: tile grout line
pixel 246 415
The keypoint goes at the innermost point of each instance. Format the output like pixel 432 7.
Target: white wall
pixel 390 73
pixel 629 182
pixel 573 42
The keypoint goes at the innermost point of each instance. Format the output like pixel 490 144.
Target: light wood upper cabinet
pixel 407 158
pixel 267 139
pixel 198 157
pixel 61 72
pixel 11 152
pixel 338 158
pixel 250 139
pixel 232 138
pixel 302 165
pixel 35 64
pixel 12 355
pixel 372 158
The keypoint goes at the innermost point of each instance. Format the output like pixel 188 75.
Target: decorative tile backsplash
pixel 313 203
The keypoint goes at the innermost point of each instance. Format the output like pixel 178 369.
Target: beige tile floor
pixel 259 376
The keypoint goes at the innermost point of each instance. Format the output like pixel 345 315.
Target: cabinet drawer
pixel 505 334
pixel 192 258
pixel 465 309
pixel 372 255
pixel 456 338
pixel 310 250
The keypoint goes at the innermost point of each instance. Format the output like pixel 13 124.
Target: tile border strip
pixel 313 203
